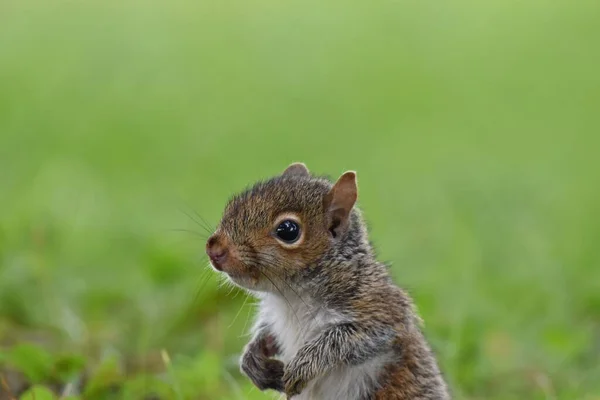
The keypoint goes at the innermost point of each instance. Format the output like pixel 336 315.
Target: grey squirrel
pixel 331 323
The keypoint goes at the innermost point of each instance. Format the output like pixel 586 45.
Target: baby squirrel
pixel 332 324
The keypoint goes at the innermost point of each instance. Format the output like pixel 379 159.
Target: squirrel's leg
pixel 257 364
pixel 347 343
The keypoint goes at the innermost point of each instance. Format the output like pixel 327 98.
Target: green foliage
pixel 105 379
pixel 205 371
pixel 33 361
pixel 142 385
pixel 38 393
pixel 473 127
pixel 68 366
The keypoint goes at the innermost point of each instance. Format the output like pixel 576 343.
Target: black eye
pixel 288 231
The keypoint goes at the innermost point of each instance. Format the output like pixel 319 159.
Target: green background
pixel 473 127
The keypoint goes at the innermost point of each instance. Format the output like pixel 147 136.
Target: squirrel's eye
pixel 288 231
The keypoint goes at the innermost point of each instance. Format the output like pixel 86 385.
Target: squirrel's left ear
pixel 339 201
pixel 296 169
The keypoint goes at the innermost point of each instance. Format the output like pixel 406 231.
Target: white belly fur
pixel 297 322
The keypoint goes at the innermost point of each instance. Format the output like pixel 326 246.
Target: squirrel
pixel 331 322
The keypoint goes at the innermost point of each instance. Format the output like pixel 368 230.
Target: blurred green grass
pixel 474 129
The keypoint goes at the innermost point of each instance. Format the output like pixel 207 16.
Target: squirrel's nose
pixel 217 252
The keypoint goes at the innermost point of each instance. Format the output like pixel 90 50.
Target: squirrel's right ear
pixel 339 202
pixel 296 169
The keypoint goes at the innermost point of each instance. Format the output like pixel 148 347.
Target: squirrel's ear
pixel 296 169
pixel 339 202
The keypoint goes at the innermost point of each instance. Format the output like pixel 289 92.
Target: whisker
pixel 312 311
pixel 224 282
pixel 282 279
pixel 246 323
pixel 269 261
pixel 272 259
pixel 283 295
pixel 231 289
pixel 207 229
pixel 206 224
pixel 238 313
pixel 204 278
pixel 202 236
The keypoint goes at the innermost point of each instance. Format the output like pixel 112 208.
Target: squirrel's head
pixel 279 227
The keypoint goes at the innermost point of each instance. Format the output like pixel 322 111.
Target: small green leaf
pixel 67 366
pixel 34 362
pixel 38 393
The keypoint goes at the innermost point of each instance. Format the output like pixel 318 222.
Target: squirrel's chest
pixel 295 322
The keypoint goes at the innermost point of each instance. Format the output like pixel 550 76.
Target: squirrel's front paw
pixel 293 380
pixel 265 373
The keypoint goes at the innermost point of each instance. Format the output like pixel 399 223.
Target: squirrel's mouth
pixel 239 274
pixel 243 280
